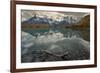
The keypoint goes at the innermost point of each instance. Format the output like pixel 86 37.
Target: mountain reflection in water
pixel 41 45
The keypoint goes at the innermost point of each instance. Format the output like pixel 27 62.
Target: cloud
pixel 26 14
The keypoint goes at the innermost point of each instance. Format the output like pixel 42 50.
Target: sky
pixel 26 14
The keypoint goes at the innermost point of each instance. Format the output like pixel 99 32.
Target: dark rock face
pixel 56 50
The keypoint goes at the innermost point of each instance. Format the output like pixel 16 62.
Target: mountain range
pixel 65 20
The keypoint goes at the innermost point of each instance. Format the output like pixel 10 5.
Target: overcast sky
pixel 26 14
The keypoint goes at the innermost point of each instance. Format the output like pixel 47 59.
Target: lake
pixel 43 45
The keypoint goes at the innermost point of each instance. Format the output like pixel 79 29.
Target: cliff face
pixel 84 23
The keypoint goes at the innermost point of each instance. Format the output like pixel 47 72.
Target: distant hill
pixel 83 23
